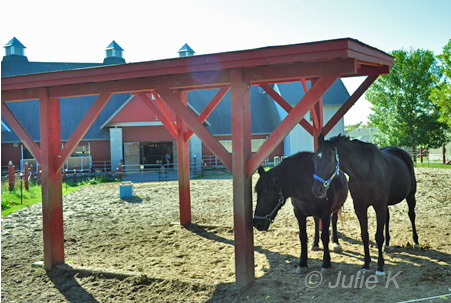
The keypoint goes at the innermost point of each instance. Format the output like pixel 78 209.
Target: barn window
pixel 81 151
pixel 227 144
pixel 256 143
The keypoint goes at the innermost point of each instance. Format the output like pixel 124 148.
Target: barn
pixel 128 130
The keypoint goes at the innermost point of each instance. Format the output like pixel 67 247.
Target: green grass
pixel 433 165
pixel 11 200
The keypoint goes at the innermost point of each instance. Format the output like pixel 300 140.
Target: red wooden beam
pixel 285 105
pixel 348 104
pixel 161 114
pixel 299 111
pixel 32 147
pixel 82 129
pixel 52 196
pixel 242 184
pixel 142 85
pixel 294 72
pixel 209 108
pixel 190 118
pixel 279 55
pixel 183 167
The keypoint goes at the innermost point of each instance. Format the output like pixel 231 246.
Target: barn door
pixel 131 156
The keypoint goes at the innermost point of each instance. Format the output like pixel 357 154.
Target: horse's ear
pixel 320 138
pixel 261 170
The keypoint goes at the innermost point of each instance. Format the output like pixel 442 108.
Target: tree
pixel 403 112
pixel 441 95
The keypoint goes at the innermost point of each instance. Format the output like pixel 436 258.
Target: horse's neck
pixel 351 162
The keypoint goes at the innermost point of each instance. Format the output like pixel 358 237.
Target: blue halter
pixel 326 183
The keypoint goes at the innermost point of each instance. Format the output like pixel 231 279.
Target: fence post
pixel 38 180
pixel 421 154
pixel 26 175
pixel 75 174
pixel 444 154
pixel 11 173
pixel 120 171
pixel 202 168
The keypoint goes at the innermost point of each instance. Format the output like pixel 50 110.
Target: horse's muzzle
pixel 261 224
pixel 319 190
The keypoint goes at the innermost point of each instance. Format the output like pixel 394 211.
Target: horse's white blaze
pixel 320 155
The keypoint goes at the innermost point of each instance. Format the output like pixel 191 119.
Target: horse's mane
pixel 360 147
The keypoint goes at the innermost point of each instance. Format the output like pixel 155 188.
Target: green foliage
pixel 441 95
pixel 403 112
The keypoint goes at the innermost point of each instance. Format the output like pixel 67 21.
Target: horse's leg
pixel 315 243
pixel 362 215
pixel 336 247
pixel 302 221
pixel 325 239
pixel 381 218
pixel 411 201
pixel 387 247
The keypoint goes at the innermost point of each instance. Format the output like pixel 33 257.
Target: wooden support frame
pixel 52 195
pixel 242 183
pixel 209 108
pixel 183 166
pixel 349 103
pixel 170 79
pixel 190 118
pixel 21 132
pixel 82 128
pixel 299 111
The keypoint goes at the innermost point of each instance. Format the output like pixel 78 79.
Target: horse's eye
pixel 320 155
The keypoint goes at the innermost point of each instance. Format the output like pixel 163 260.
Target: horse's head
pixel 326 163
pixel 269 198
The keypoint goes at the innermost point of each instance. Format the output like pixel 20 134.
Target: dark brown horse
pixel 377 178
pixel 293 178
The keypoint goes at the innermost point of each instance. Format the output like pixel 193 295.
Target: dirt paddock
pixel 146 258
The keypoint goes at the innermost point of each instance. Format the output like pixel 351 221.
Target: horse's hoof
pixel 389 249
pixel 314 248
pixel 301 270
pixel 416 246
pixel 362 273
pixel 380 275
pixel 337 248
pixel 326 271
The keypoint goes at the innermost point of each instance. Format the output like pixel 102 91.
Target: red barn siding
pixel 279 151
pixel 100 150
pixel 11 153
pixel 136 110
pixel 145 134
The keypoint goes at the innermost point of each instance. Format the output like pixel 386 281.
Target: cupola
pixel 15 51
pixel 114 54
pixel 186 51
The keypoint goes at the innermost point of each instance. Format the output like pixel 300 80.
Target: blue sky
pixel 150 30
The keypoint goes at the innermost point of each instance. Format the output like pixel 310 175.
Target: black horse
pixel 377 177
pixel 293 178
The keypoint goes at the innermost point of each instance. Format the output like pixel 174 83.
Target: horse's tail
pixel 406 157
pixel 340 217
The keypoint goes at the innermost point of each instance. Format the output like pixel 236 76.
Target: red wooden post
pixel 120 171
pixel 11 175
pixel 26 176
pixel 183 167
pixel 421 154
pixel 38 179
pixel 242 183
pixel 52 196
